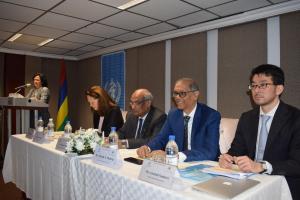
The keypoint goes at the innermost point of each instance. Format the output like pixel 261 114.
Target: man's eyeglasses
pixel 260 86
pixel 181 94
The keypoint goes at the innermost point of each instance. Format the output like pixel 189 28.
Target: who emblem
pixel 113 88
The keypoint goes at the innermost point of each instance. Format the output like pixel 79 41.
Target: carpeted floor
pixel 9 191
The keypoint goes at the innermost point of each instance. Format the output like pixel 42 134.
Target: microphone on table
pixel 23 86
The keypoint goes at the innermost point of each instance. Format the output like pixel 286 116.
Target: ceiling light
pixel 13 38
pixel 130 4
pixel 45 42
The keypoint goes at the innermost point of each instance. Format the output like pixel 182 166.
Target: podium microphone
pixel 23 86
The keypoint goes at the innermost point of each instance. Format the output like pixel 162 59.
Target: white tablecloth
pixel 101 182
pixel 37 169
pixel 44 173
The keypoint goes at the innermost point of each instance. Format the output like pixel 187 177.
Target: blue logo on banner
pixel 113 76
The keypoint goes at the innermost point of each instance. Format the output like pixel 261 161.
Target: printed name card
pixel 158 173
pixel 108 157
pixel 62 143
pixel 39 137
pixel 30 133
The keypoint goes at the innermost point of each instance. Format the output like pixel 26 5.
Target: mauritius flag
pixel 62 114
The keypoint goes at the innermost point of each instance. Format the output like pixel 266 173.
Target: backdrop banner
pixel 113 76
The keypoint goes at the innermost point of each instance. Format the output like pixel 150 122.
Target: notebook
pixel 225 187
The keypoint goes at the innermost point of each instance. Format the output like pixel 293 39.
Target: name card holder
pixel 157 173
pixel 39 137
pixel 108 157
pixel 30 133
pixel 62 143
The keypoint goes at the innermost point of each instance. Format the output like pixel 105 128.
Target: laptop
pixel 225 187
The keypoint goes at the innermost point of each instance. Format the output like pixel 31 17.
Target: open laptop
pixel 225 187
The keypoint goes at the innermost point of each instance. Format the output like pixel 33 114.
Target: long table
pixel 45 173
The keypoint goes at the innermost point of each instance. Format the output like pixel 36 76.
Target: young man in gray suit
pixel 143 121
pixel 267 138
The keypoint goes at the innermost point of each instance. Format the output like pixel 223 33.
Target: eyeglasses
pixel 181 94
pixel 136 103
pixel 260 86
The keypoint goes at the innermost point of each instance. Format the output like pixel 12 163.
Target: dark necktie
pixel 186 133
pixel 138 133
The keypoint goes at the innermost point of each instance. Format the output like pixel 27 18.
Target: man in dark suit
pixel 143 122
pixel 267 138
pixel 195 126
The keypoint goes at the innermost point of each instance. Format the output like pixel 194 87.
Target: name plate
pixel 108 157
pixel 39 137
pixel 62 143
pixel 30 133
pixel 158 173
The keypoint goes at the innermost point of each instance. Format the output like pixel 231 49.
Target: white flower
pixel 93 145
pixel 69 147
pixel 84 140
pixel 79 145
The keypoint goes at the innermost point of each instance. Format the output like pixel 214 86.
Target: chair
pixel 227 132
pixel 124 114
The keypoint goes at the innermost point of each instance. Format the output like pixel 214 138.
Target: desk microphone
pixel 23 86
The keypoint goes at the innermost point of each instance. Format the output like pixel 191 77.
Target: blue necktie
pixel 138 133
pixel 263 136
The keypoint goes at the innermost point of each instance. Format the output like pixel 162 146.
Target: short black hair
pixel 43 78
pixel 276 73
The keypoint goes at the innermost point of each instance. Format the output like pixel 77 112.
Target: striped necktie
pixel 186 132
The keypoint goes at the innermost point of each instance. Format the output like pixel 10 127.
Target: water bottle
pixel 113 138
pixel 68 129
pixel 50 127
pixel 172 151
pixel 40 125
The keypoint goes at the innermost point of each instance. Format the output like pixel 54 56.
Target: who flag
pixel 62 114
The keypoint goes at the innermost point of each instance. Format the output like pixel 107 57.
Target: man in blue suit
pixel 195 126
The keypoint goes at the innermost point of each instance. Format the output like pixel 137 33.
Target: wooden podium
pixel 15 116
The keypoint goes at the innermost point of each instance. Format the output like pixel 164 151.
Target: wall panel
pixel 151 71
pixel 131 73
pixel 290 56
pixel 188 59
pixel 241 48
pixel 88 74
pixel 1 74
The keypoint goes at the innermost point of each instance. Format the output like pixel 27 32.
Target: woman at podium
pixel 106 113
pixel 40 92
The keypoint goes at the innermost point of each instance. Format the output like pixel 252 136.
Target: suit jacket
pixel 40 94
pixel 112 118
pixel 204 135
pixel 151 126
pixel 283 144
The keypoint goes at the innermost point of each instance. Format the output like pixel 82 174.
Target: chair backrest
pixel 124 113
pixel 227 133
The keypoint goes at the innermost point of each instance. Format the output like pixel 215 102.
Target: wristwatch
pixel 264 166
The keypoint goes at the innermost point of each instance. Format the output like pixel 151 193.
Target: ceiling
pixel 79 27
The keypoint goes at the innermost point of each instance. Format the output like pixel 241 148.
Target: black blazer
pixel 283 144
pixel 112 118
pixel 152 125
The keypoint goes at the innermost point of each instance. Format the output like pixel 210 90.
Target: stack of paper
pixel 195 173
pixel 232 173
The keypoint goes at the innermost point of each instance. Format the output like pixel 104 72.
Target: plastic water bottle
pixel 40 125
pixel 68 129
pixel 113 138
pixel 172 151
pixel 50 127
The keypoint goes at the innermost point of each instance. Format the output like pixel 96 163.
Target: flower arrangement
pixel 83 142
